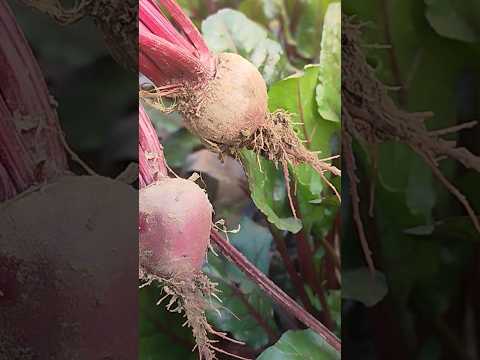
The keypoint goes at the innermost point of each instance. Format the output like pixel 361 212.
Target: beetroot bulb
pixel 175 221
pixel 175 214
pixel 222 97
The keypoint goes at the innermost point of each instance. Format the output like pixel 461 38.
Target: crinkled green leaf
pixel 300 345
pixel 254 10
pixel 455 19
pixel 296 94
pixel 328 89
pixel 309 28
pixel 361 285
pixel 231 31
pixel 267 190
pixel 232 314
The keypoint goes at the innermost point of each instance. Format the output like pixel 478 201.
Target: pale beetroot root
pixel 223 98
pixel 67 257
pixel 230 108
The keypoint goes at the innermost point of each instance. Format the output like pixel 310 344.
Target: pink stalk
pixel 31 140
pixel 273 291
pixel 188 28
pixel 7 188
pixel 156 23
pixel 167 55
pixel 171 63
pixel 17 167
pixel 152 165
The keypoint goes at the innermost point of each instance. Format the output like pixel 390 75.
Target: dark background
pixel 97 109
pixel 423 243
pixel 98 101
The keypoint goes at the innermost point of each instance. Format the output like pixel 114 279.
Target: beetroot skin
pixel 231 106
pixel 174 225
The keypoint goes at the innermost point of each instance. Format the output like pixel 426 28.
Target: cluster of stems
pixel 32 147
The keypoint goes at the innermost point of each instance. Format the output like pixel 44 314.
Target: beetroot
pixel 223 97
pixel 175 223
pixel 221 104
pixel 232 106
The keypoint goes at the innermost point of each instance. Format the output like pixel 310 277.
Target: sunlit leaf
pixel 300 345
pixel 328 89
pixel 231 31
pixel 267 189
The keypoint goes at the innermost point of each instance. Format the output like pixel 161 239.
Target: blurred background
pixel 426 299
pixel 97 98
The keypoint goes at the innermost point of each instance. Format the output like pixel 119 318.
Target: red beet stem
pixel 7 187
pixel 166 63
pixel 153 19
pixel 31 140
pixel 17 174
pixel 188 28
pixel 171 51
pixel 152 164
